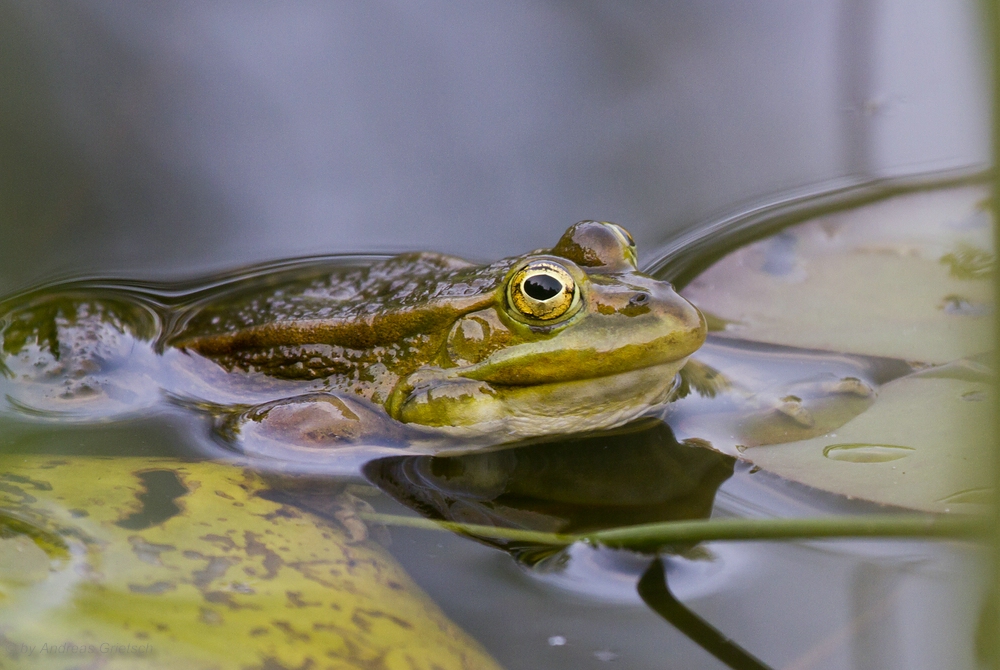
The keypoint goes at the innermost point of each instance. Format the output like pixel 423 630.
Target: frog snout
pixel 689 324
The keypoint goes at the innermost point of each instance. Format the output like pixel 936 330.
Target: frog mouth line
pixel 675 364
pixel 607 384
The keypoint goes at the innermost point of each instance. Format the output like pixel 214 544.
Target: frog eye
pixel 543 290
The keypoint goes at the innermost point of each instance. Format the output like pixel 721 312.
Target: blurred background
pixel 163 140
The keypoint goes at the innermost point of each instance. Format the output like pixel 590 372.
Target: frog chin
pixel 504 413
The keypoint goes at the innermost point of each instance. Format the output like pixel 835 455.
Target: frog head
pixel 574 338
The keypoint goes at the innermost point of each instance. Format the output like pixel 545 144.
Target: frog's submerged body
pixel 556 341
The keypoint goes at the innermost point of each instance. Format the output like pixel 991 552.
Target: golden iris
pixel 543 290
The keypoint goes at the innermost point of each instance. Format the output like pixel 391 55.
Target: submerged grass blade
pixel 881 526
pixel 875 526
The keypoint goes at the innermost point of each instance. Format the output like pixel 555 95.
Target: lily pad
pixel 923 444
pixel 909 280
pixel 153 563
pixel 908 277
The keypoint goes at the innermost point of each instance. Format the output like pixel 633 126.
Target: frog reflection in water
pixel 633 475
pixel 556 341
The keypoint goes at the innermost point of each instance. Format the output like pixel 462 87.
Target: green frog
pixel 568 339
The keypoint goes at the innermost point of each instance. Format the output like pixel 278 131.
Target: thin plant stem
pixel 873 526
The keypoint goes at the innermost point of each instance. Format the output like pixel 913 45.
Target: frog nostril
pixel 639 299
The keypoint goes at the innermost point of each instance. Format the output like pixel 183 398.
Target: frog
pixel 561 340
pixel 567 339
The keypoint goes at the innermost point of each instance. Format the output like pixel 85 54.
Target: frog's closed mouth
pixel 560 340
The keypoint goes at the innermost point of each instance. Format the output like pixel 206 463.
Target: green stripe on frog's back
pixel 394 312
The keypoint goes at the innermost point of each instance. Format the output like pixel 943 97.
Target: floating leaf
pixel 969 262
pixel 905 278
pixel 143 563
pixel 923 445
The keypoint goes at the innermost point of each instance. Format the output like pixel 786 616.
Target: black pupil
pixel 542 287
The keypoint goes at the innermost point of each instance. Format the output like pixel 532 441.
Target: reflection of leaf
pixel 37 323
pixel 79 352
pixel 185 563
pixel 701 378
pixel 41 319
pixel 969 262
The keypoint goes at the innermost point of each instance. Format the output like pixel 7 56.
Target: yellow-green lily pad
pixel 923 444
pixel 908 277
pixel 144 563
